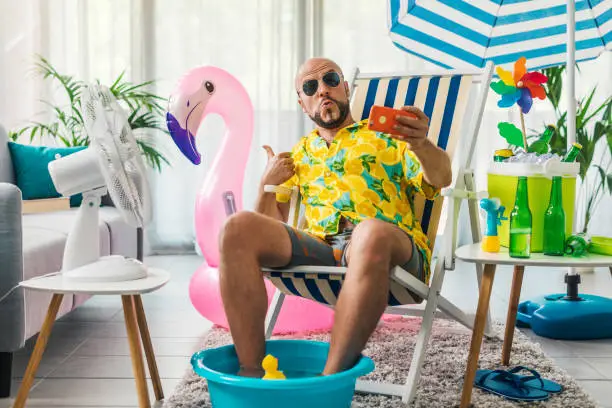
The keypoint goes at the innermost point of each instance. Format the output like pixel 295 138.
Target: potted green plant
pixel 593 128
pixel 145 113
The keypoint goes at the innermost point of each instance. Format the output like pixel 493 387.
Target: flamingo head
pixel 202 91
pixel 188 107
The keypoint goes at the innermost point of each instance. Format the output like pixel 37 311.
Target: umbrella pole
pixel 571 64
pixel 571 278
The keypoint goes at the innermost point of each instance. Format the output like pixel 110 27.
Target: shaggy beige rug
pixel 391 349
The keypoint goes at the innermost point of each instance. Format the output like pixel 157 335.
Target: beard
pixel 343 111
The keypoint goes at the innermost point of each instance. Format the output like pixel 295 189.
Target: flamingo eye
pixel 187 103
pixel 209 87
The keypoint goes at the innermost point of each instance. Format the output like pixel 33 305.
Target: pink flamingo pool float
pixel 202 91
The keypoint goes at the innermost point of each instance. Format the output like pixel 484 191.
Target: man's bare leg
pixel 248 241
pixel 375 246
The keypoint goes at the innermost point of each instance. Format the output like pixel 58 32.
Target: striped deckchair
pixel 444 98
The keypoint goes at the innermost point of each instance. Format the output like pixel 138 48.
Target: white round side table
pixel 135 323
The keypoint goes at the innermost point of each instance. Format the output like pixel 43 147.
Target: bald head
pixel 323 93
pixel 315 67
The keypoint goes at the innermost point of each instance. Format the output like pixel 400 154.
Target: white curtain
pixel 260 42
pixel 20 27
pixel 87 39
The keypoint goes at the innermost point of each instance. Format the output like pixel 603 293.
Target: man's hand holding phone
pixel 408 124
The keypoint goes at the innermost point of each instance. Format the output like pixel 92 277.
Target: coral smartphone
pixel 382 119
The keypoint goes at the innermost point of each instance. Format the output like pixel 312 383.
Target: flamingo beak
pixel 183 139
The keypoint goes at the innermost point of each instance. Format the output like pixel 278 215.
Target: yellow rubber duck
pixel 270 366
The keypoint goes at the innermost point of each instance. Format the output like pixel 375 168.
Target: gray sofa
pixel 33 245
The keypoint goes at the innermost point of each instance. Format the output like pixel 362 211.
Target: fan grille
pixel 119 156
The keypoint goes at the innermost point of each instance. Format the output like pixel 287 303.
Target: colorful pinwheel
pixel 520 87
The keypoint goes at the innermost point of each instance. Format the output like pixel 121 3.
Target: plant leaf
pixel 152 156
pixel 606 113
pixel 558 143
pixel 609 138
pixel 117 81
pixel 554 86
pixel 583 109
pixel 64 140
pixel 602 175
pixel 599 130
pixel 586 153
pixel 66 125
pixel 70 85
pixel 511 133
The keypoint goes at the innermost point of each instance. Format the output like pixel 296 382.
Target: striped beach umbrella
pixel 458 33
pixel 467 33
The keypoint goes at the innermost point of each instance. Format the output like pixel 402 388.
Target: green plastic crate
pixel 502 179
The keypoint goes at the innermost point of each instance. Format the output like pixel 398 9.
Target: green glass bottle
pixel 554 221
pixel 542 145
pixel 573 153
pixel 520 223
pixel 577 245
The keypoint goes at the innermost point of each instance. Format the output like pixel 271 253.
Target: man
pixel 357 187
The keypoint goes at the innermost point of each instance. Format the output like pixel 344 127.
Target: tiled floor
pixel 87 360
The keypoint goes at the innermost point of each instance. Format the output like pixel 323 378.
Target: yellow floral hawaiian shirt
pixel 362 174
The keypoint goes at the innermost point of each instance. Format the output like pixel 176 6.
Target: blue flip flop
pixel 508 385
pixel 536 381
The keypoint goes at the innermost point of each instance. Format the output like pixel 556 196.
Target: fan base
pixel 113 268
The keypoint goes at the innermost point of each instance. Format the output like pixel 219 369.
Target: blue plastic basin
pixel 300 360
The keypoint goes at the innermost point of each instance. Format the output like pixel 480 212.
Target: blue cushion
pixel 30 164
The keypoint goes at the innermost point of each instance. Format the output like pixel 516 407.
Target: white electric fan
pixel 112 163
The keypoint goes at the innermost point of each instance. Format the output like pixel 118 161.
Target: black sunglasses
pixel 331 79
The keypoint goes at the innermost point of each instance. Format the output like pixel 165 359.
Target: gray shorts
pixel 308 249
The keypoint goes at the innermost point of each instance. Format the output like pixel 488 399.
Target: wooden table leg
pixel 148 347
pixel 39 349
pixel 515 294
pixel 477 334
pixel 137 364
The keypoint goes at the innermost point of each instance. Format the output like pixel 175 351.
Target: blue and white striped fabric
pixel 325 287
pixel 462 33
pixel 443 99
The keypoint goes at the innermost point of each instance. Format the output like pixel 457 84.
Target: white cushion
pixel 44 239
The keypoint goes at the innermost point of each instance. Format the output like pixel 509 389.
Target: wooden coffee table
pixel 135 323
